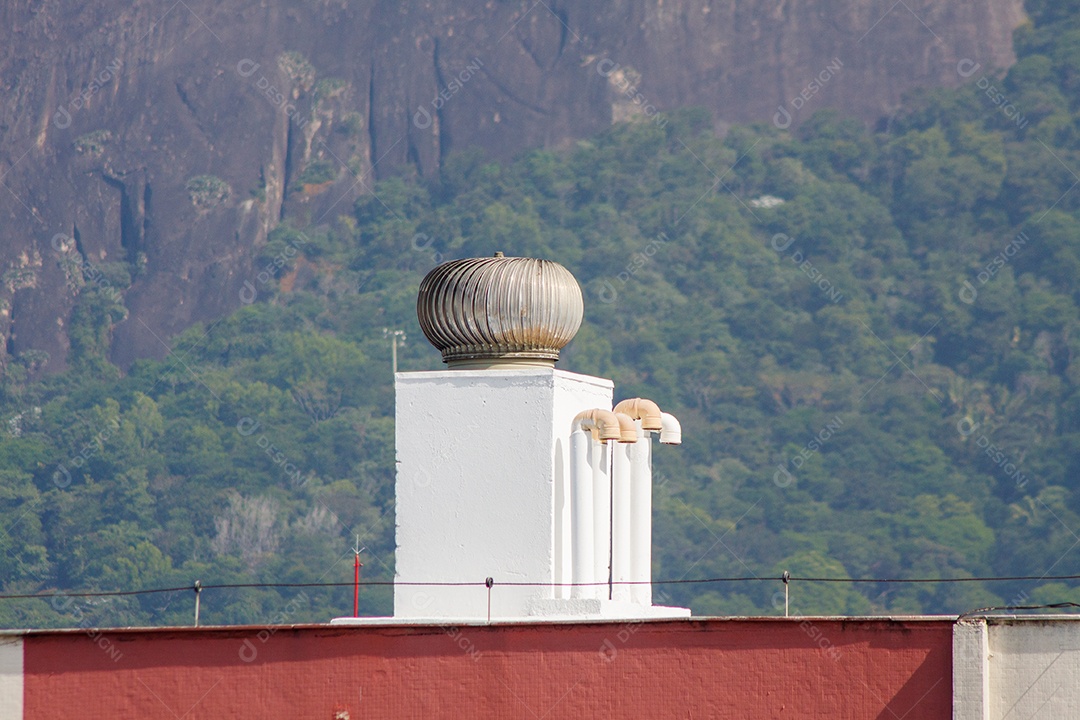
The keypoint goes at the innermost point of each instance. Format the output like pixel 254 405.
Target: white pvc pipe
pixel 603 425
pixel 641 518
pixel 582 536
pixel 620 530
pixel 601 462
pixel 671 431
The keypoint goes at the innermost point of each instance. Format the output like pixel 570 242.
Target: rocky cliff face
pixel 147 149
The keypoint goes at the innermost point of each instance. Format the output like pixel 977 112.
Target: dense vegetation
pixel 877 377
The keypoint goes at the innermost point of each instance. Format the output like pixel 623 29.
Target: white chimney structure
pixel 513 470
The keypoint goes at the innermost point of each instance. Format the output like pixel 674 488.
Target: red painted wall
pixel 711 668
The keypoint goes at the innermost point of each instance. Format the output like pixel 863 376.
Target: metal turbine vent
pixel 485 312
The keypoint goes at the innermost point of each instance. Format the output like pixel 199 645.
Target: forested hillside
pixel 871 338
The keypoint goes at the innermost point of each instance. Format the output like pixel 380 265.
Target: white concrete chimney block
pixel 483 487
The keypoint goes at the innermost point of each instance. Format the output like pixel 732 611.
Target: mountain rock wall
pixel 148 148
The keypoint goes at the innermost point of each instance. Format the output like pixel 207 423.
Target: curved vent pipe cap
pixel 671 432
pixel 603 424
pixel 627 428
pixel 644 410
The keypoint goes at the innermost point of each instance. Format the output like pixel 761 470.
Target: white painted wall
pixel 11 677
pixel 971 670
pixel 1016 667
pixel 1034 668
pixel 483 486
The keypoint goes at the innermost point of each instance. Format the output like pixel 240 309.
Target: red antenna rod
pixel 356 578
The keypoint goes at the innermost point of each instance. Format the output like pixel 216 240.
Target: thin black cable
pixel 483 583
pixel 105 593
pixel 999 608
pixel 938 580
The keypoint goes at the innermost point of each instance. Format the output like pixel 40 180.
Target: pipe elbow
pixel 603 424
pixel 627 429
pixel 644 410
pixel 671 430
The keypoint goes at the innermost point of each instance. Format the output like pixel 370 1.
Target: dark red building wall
pixel 673 669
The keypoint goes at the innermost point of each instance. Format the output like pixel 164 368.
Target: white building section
pixel 11 677
pixel 512 470
pixel 484 490
pixel 1016 667
pixel 483 487
pixel 971 670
